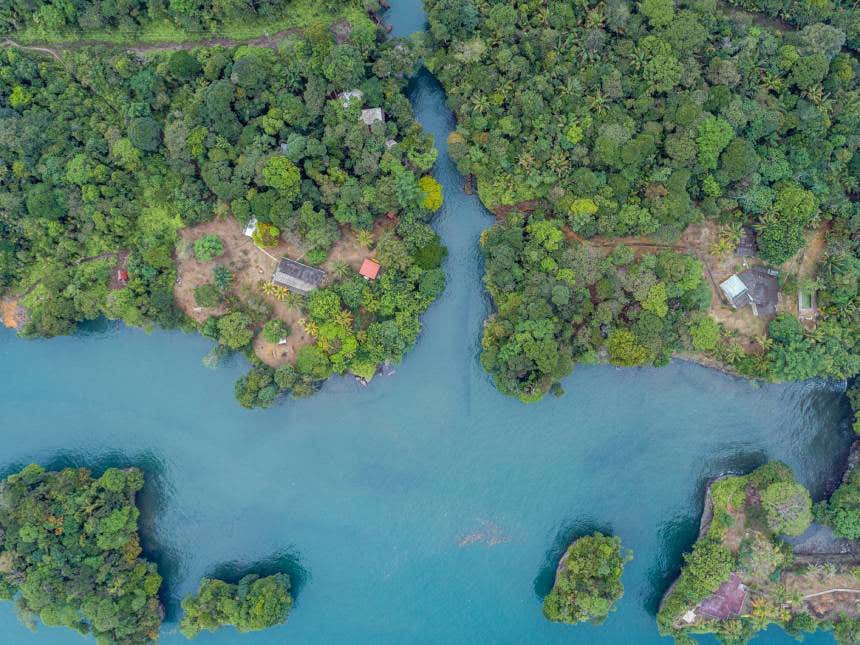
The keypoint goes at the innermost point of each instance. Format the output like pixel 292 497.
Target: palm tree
pixel 343 318
pixel 365 238
pixel 341 269
pixel 293 300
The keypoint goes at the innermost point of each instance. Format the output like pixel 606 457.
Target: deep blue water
pixel 425 508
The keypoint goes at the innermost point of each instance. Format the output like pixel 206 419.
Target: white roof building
pixel 250 227
pixel 347 97
pixel 736 292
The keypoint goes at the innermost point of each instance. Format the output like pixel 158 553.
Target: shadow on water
pixel 286 561
pixel 545 578
pixel 152 502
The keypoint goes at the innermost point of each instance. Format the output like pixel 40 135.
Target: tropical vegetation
pixel 588 581
pixel 70 554
pixel 618 119
pixel 744 537
pixel 107 155
pixel 253 604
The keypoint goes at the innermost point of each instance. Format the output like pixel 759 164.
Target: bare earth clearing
pixel 250 265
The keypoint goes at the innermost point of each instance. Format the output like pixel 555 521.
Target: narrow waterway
pixel 425 508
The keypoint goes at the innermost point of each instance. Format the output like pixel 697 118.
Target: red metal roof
pixel 369 268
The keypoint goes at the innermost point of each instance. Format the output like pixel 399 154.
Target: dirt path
pixel 56 49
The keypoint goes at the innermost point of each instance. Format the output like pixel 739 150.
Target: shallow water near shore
pixel 425 508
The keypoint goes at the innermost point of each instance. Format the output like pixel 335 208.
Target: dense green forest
pixel 168 19
pixel 638 119
pixel 742 544
pixel 254 603
pixel 588 581
pixel 70 554
pixel 107 155
pixel 559 304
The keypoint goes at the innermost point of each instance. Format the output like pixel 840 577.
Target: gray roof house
pixel 297 277
pixel 372 115
pixel 757 287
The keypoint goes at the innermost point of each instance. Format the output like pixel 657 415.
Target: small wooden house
pixel 297 277
pixel 369 269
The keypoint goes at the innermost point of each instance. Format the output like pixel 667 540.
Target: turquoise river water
pixel 425 508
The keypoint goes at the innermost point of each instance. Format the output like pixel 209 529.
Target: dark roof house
pixel 297 277
pixel 763 287
pixel 757 287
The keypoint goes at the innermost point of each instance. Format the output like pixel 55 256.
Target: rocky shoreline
pixel 816 544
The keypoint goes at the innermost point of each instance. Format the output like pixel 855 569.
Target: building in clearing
pixel 757 287
pixel 736 291
pixel 372 115
pixel 347 97
pixel 250 227
pixel 297 277
pixel 369 269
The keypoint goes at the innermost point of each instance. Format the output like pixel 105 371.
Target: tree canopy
pixel 71 553
pixel 588 581
pixel 254 603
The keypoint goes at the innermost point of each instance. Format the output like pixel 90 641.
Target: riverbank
pixel 748 568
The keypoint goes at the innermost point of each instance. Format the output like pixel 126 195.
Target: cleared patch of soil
pixel 250 265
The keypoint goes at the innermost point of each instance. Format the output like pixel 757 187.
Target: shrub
pixel 275 330
pixel 705 334
pixel 788 508
pixel 208 247
pixel 266 235
pixel 431 193
pixel 207 295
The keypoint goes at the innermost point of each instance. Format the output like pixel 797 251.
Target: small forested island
pixel 588 581
pixel 759 560
pixel 275 196
pixel 724 139
pixel 70 553
pixel 253 604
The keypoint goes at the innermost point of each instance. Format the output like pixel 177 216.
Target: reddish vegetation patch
pixel 726 601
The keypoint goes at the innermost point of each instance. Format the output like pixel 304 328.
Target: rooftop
pixel 736 291
pixel 297 277
pixel 763 287
pixel 347 97
pixel 372 115
pixel 370 268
